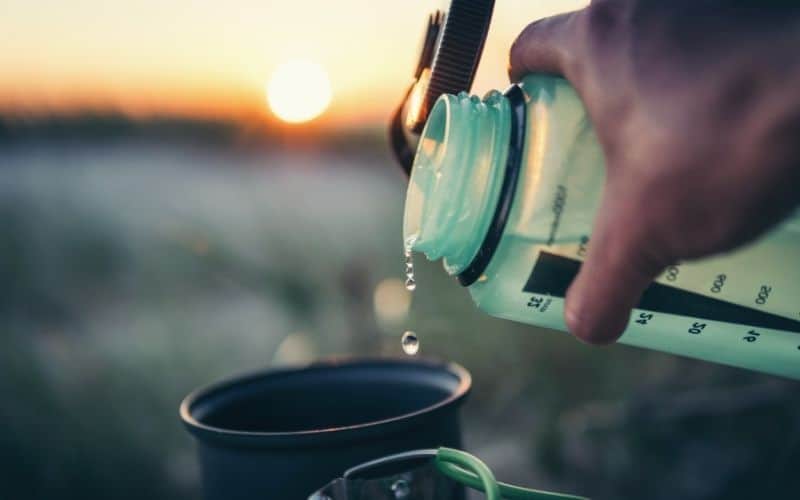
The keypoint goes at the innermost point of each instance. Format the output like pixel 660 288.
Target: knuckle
pixel 604 17
pixel 544 45
pixel 520 44
pixel 725 228
pixel 515 52
pixel 694 222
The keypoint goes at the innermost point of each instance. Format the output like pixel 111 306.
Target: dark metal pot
pixel 281 434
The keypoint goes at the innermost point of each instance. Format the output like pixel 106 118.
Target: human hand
pixel 697 108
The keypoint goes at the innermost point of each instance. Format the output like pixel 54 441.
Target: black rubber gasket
pixel 494 234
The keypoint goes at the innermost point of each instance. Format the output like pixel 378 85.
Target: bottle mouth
pixel 426 173
pixel 455 177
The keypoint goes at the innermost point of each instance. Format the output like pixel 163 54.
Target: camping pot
pixel 284 433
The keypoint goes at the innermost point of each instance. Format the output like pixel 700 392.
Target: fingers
pixel 545 46
pixel 618 267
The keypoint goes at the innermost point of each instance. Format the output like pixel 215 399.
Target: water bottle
pixel 504 191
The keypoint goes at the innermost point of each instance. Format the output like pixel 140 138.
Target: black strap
pixel 403 151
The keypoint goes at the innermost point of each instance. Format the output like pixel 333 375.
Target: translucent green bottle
pixel 505 190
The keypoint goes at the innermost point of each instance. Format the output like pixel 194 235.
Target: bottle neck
pixel 456 177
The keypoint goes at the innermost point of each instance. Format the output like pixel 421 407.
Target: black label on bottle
pixel 552 274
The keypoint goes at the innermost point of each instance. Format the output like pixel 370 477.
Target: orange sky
pixel 213 58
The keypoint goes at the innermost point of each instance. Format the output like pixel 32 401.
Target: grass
pixel 133 273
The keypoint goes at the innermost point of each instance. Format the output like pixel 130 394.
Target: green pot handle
pixel 472 472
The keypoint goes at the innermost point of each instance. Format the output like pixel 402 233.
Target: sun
pixel 299 91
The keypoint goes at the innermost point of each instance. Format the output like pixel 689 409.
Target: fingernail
pixel 573 317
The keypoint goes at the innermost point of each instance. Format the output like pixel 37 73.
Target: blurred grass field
pixel 135 271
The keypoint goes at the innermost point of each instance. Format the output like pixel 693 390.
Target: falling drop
pixel 411 283
pixel 410 343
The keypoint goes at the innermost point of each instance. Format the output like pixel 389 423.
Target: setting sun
pixel 299 91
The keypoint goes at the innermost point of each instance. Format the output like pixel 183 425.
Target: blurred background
pixel 172 211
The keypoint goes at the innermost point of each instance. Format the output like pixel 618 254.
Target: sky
pixel 203 58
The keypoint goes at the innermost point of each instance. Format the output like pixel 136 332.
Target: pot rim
pixel 317 437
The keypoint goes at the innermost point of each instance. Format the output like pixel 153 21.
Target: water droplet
pixel 410 343
pixel 401 489
pixel 411 283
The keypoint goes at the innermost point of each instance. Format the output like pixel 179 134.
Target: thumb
pixel 545 46
pixel 621 262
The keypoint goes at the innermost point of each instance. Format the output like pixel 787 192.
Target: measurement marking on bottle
pixel 644 318
pixel 751 336
pixel 541 304
pixel 672 272
pixel 719 282
pixel 552 274
pixel 763 294
pixel 697 328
